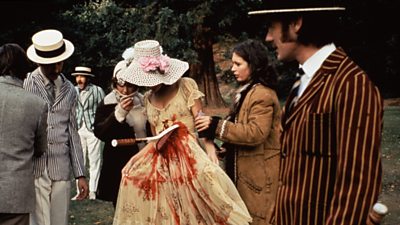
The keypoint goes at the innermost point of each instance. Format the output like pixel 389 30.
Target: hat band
pixel 50 54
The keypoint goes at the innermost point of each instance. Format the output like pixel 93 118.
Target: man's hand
pixel 83 189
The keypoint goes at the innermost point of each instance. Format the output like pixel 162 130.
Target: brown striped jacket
pixel 331 163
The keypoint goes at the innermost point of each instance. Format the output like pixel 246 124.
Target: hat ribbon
pixel 50 54
pixel 154 63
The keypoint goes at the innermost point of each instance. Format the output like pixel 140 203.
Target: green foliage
pixel 102 31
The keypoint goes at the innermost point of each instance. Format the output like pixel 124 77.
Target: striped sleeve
pixel 358 119
pixel 76 152
pixel 101 95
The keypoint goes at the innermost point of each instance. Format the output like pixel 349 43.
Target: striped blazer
pixel 331 163
pixel 85 111
pixel 64 146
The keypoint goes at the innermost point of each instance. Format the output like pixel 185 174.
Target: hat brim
pixel 69 50
pixel 295 10
pixel 83 74
pixel 135 75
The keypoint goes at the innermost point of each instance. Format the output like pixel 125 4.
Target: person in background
pixel 178 183
pixel 53 170
pixel 331 170
pixel 89 97
pixel 23 136
pixel 120 115
pixel 251 131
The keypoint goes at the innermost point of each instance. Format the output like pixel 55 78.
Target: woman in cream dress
pixel 179 183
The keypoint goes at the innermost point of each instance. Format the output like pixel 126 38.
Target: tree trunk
pixel 204 70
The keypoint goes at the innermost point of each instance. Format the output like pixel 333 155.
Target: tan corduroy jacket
pixel 256 139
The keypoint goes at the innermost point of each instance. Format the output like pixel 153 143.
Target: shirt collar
pixel 58 82
pixel 312 64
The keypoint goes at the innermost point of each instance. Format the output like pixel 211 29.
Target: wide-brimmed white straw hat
pixel 150 67
pixel 49 47
pixel 82 70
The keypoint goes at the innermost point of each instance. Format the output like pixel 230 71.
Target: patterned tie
pixel 51 90
pixel 295 89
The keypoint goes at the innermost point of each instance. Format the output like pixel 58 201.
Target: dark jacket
pixel 107 128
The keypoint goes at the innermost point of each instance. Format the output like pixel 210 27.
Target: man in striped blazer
pixel 332 122
pixel 89 97
pixel 53 170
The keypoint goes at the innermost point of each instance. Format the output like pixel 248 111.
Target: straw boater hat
pixel 150 68
pixel 49 47
pixel 82 70
pixel 292 6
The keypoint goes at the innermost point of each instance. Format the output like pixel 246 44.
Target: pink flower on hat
pixel 152 63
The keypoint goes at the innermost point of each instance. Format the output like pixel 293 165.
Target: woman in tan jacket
pixel 251 131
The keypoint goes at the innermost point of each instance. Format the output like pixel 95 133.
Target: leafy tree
pixel 185 29
pixel 188 29
pixel 101 31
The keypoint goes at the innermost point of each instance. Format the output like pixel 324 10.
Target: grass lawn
pixel 391 164
pixel 89 212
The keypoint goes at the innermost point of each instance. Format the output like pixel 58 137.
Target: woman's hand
pixel 124 106
pixel 127 168
pixel 202 122
pixel 211 150
pixel 126 102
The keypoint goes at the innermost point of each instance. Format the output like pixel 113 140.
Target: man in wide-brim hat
pixel 89 97
pixel 332 120
pixel 52 171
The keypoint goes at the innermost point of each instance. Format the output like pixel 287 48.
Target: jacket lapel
pixel 63 90
pixel 328 68
pixel 313 87
pixel 90 93
pixel 42 87
pixel 286 110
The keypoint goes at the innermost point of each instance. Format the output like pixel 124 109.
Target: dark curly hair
pixel 13 61
pixel 255 53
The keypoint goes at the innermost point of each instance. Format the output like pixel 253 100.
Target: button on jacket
pixel 64 148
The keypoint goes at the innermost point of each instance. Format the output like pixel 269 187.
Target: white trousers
pixel 91 146
pixel 52 201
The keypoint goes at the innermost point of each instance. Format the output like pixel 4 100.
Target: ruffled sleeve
pixel 190 90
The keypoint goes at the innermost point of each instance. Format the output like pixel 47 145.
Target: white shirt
pixel 312 64
pixel 83 94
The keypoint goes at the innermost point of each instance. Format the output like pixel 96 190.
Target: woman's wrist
pixel 209 133
pixel 120 113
